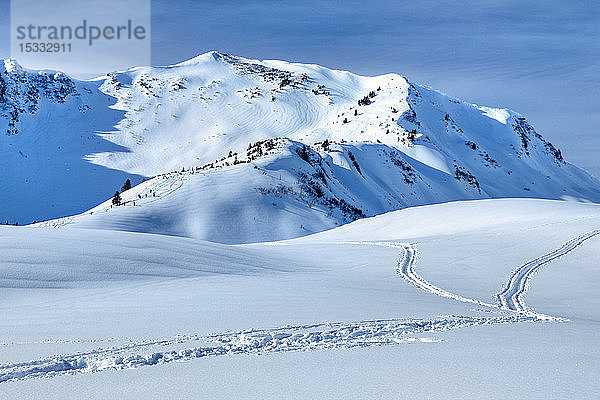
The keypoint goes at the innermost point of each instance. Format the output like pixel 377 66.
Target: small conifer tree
pixel 126 186
pixel 116 200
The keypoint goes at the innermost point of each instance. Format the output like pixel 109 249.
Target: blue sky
pixel 540 58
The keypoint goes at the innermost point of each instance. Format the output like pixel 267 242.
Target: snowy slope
pixel 48 123
pixel 414 291
pixel 291 190
pixel 412 145
pixel 496 297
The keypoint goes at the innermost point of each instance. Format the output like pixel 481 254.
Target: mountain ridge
pixel 146 121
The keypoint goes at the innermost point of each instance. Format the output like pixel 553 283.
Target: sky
pixel 539 58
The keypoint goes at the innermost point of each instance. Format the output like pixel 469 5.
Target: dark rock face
pixel 21 92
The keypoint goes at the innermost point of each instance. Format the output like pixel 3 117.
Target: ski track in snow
pixel 405 268
pixel 310 337
pixel 512 296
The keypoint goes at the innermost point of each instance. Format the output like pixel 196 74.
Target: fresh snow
pixel 341 289
pixel 500 115
pixel 292 232
pixel 73 143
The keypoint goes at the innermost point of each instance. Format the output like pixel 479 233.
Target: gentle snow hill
pixel 66 258
pixel 290 190
pixel 463 217
pixel 159 316
pixel 148 121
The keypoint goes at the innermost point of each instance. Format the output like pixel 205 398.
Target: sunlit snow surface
pixel 70 144
pixel 408 291
pixel 226 273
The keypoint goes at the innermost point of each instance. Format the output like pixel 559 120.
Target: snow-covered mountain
pixel 487 292
pixel 243 150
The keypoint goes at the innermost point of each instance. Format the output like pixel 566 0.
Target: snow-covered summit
pixel 377 143
pixel 10 65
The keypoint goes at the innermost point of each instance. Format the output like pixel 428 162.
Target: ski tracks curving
pixel 310 337
pixel 512 296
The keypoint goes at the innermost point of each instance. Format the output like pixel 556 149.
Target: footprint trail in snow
pixel 311 337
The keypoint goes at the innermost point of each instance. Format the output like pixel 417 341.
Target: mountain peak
pixel 394 143
pixel 11 65
pixel 209 56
